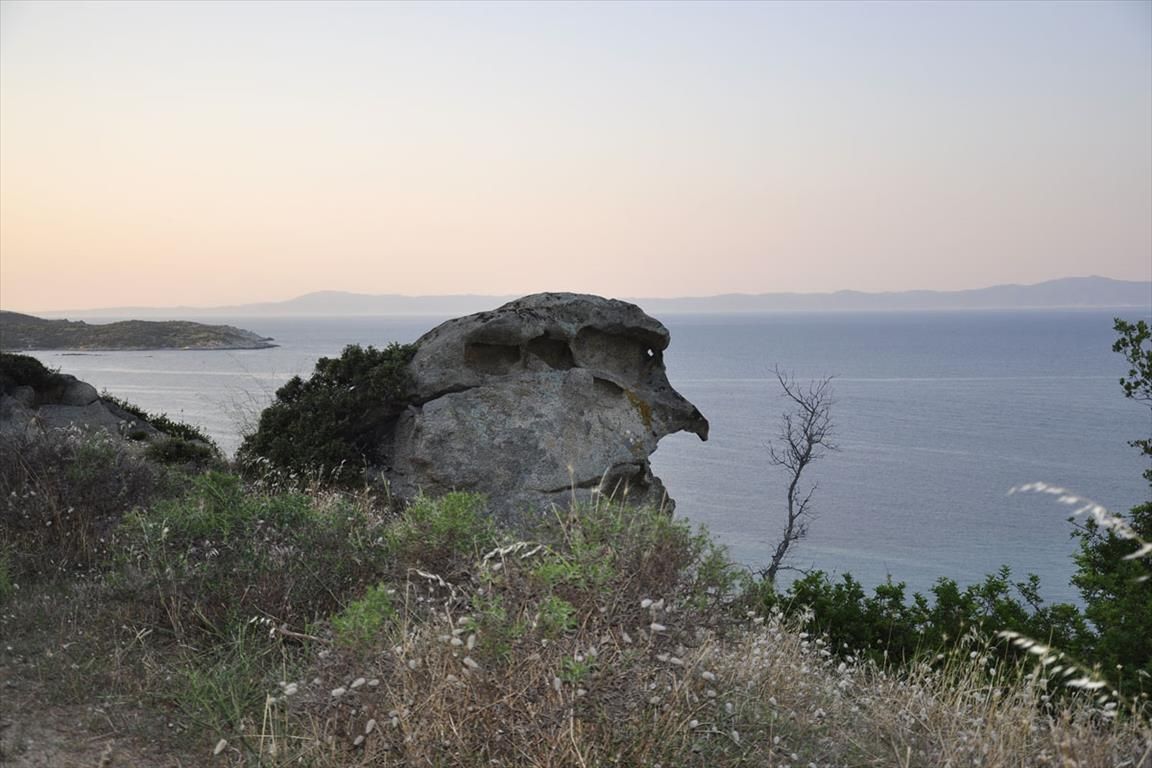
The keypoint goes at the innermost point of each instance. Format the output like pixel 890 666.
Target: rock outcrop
pixel 548 396
pixel 33 399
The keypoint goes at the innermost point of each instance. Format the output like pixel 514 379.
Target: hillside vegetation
pixel 154 616
pixel 180 614
pixel 26 332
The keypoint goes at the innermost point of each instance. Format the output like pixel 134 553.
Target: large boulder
pixel 34 399
pixel 550 397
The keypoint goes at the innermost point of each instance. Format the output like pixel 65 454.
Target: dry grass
pixel 487 671
pixel 767 695
pixel 611 638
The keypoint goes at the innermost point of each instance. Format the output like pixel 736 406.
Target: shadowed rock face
pixel 67 402
pixel 548 395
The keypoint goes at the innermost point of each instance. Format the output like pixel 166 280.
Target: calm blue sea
pixel 937 416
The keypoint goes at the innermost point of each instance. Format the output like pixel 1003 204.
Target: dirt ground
pixel 37 734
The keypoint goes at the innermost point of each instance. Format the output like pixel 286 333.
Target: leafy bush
pixel 1114 564
pixel 1117 592
pixel 890 627
pixel 332 423
pixel 25 371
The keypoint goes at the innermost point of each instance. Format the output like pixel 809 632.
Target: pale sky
pixel 209 153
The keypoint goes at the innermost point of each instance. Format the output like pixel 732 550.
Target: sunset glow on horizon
pixel 205 154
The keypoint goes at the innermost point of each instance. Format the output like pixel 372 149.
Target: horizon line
pixel 633 299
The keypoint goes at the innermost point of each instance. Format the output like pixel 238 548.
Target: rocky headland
pixel 20 332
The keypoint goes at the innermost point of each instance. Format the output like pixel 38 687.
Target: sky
pixel 209 153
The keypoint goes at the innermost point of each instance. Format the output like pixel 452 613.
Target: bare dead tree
pixel 805 436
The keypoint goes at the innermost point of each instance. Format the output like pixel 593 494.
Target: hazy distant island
pixel 1069 292
pixel 20 332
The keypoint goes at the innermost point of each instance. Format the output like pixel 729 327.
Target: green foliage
pixel 557 616
pixel 890 627
pixel 609 547
pixel 218 689
pixel 360 622
pixel 1117 596
pixel 497 630
pixel 444 535
pixel 177 450
pixel 171 427
pixel 332 423
pixel 1133 338
pixel 1117 588
pixel 213 559
pixel 1135 343
pixel 575 671
pixel 25 371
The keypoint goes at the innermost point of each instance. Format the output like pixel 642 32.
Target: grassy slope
pixel 322 629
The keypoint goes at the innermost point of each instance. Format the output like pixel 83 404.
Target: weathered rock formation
pixel 59 400
pixel 548 396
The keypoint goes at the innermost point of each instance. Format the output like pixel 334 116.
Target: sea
pixel 937 416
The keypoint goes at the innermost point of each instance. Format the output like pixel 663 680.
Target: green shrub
pixel 631 554
pixel 170 427
pixel 331 425
pixel 444 535
pixel 1117 592
pixel 25 371
pixel 890 627
pixel 177 450
pixel 557 616
pixel 360 622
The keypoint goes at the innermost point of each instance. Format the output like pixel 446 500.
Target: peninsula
pixel 19 332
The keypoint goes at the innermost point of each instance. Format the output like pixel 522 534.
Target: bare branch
pixel 805 436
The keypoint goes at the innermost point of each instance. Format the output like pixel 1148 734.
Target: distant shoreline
pixel 27 333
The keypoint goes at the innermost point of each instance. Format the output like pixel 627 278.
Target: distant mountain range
pixel 1070 292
